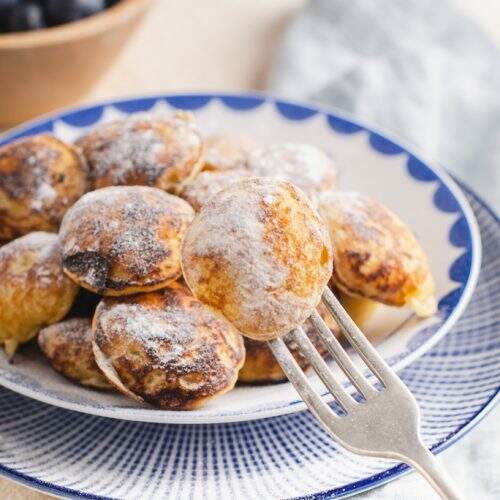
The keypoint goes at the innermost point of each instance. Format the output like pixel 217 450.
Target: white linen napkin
pixel 416 68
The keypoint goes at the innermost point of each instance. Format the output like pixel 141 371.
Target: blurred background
pixel 221 44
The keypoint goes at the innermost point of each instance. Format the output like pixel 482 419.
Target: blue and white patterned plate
pixel 81 456
pixel 426 198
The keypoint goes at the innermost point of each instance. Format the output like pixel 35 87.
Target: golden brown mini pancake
pixel 34 291
pixel 261 365
pixel 375 255
pixel 259 254
pixel 223 152
pixel 146 151
pixel 68 347
pixel 166 348
pixel 40 178
pixel 208 183
pixel 306 166
pixel 124 239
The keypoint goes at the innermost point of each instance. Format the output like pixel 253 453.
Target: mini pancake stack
pixel 139 255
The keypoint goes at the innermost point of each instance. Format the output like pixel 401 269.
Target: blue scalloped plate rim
pixel 447 198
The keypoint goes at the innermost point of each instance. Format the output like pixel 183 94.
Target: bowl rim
pixel 120 13
pixel 173 417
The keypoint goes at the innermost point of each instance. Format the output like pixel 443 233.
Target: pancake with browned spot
pixel 375 255
pixel 40 178
pixel 124 239
pixel 166 348
pixel 68 347
pixel 145 150
pixel 258 253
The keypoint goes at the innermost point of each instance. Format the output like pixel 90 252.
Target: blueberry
pixel 65 11
pixel 22 16
pixel 5 8
pixel 7 4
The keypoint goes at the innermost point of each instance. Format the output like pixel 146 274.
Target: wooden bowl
pixel 45 69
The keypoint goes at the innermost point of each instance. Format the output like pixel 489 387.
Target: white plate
pixel 424 197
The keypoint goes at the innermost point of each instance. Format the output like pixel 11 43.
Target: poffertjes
pixel 34 290
pixel 68 347
pixel 146 151
pixel 304 165
pixel 166 348
pixel 259 254
pixel 124 239
pixel 375 255
pixel 40 178
pixel 209 183
pixel 224 152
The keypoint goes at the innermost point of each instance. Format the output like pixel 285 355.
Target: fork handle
pixel 429 466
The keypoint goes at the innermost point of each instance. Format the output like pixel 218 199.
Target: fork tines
pixel 387 424
pixel 357 340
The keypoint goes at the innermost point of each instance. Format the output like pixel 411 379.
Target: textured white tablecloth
pixel 429 75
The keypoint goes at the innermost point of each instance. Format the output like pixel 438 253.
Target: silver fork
pixel 386 424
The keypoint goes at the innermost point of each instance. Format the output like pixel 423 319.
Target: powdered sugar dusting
pixel 132 150
pixel 120 226
pixel 304 165
pixel 209 183
pixel 140 149
pixel 268 199
pixel 31 177
pixel 41 244
pixel 45 193
pixel 152 329
pixel 230 232
pixel 44 256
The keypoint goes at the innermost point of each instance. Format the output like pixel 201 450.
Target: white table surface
pixel 229 45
